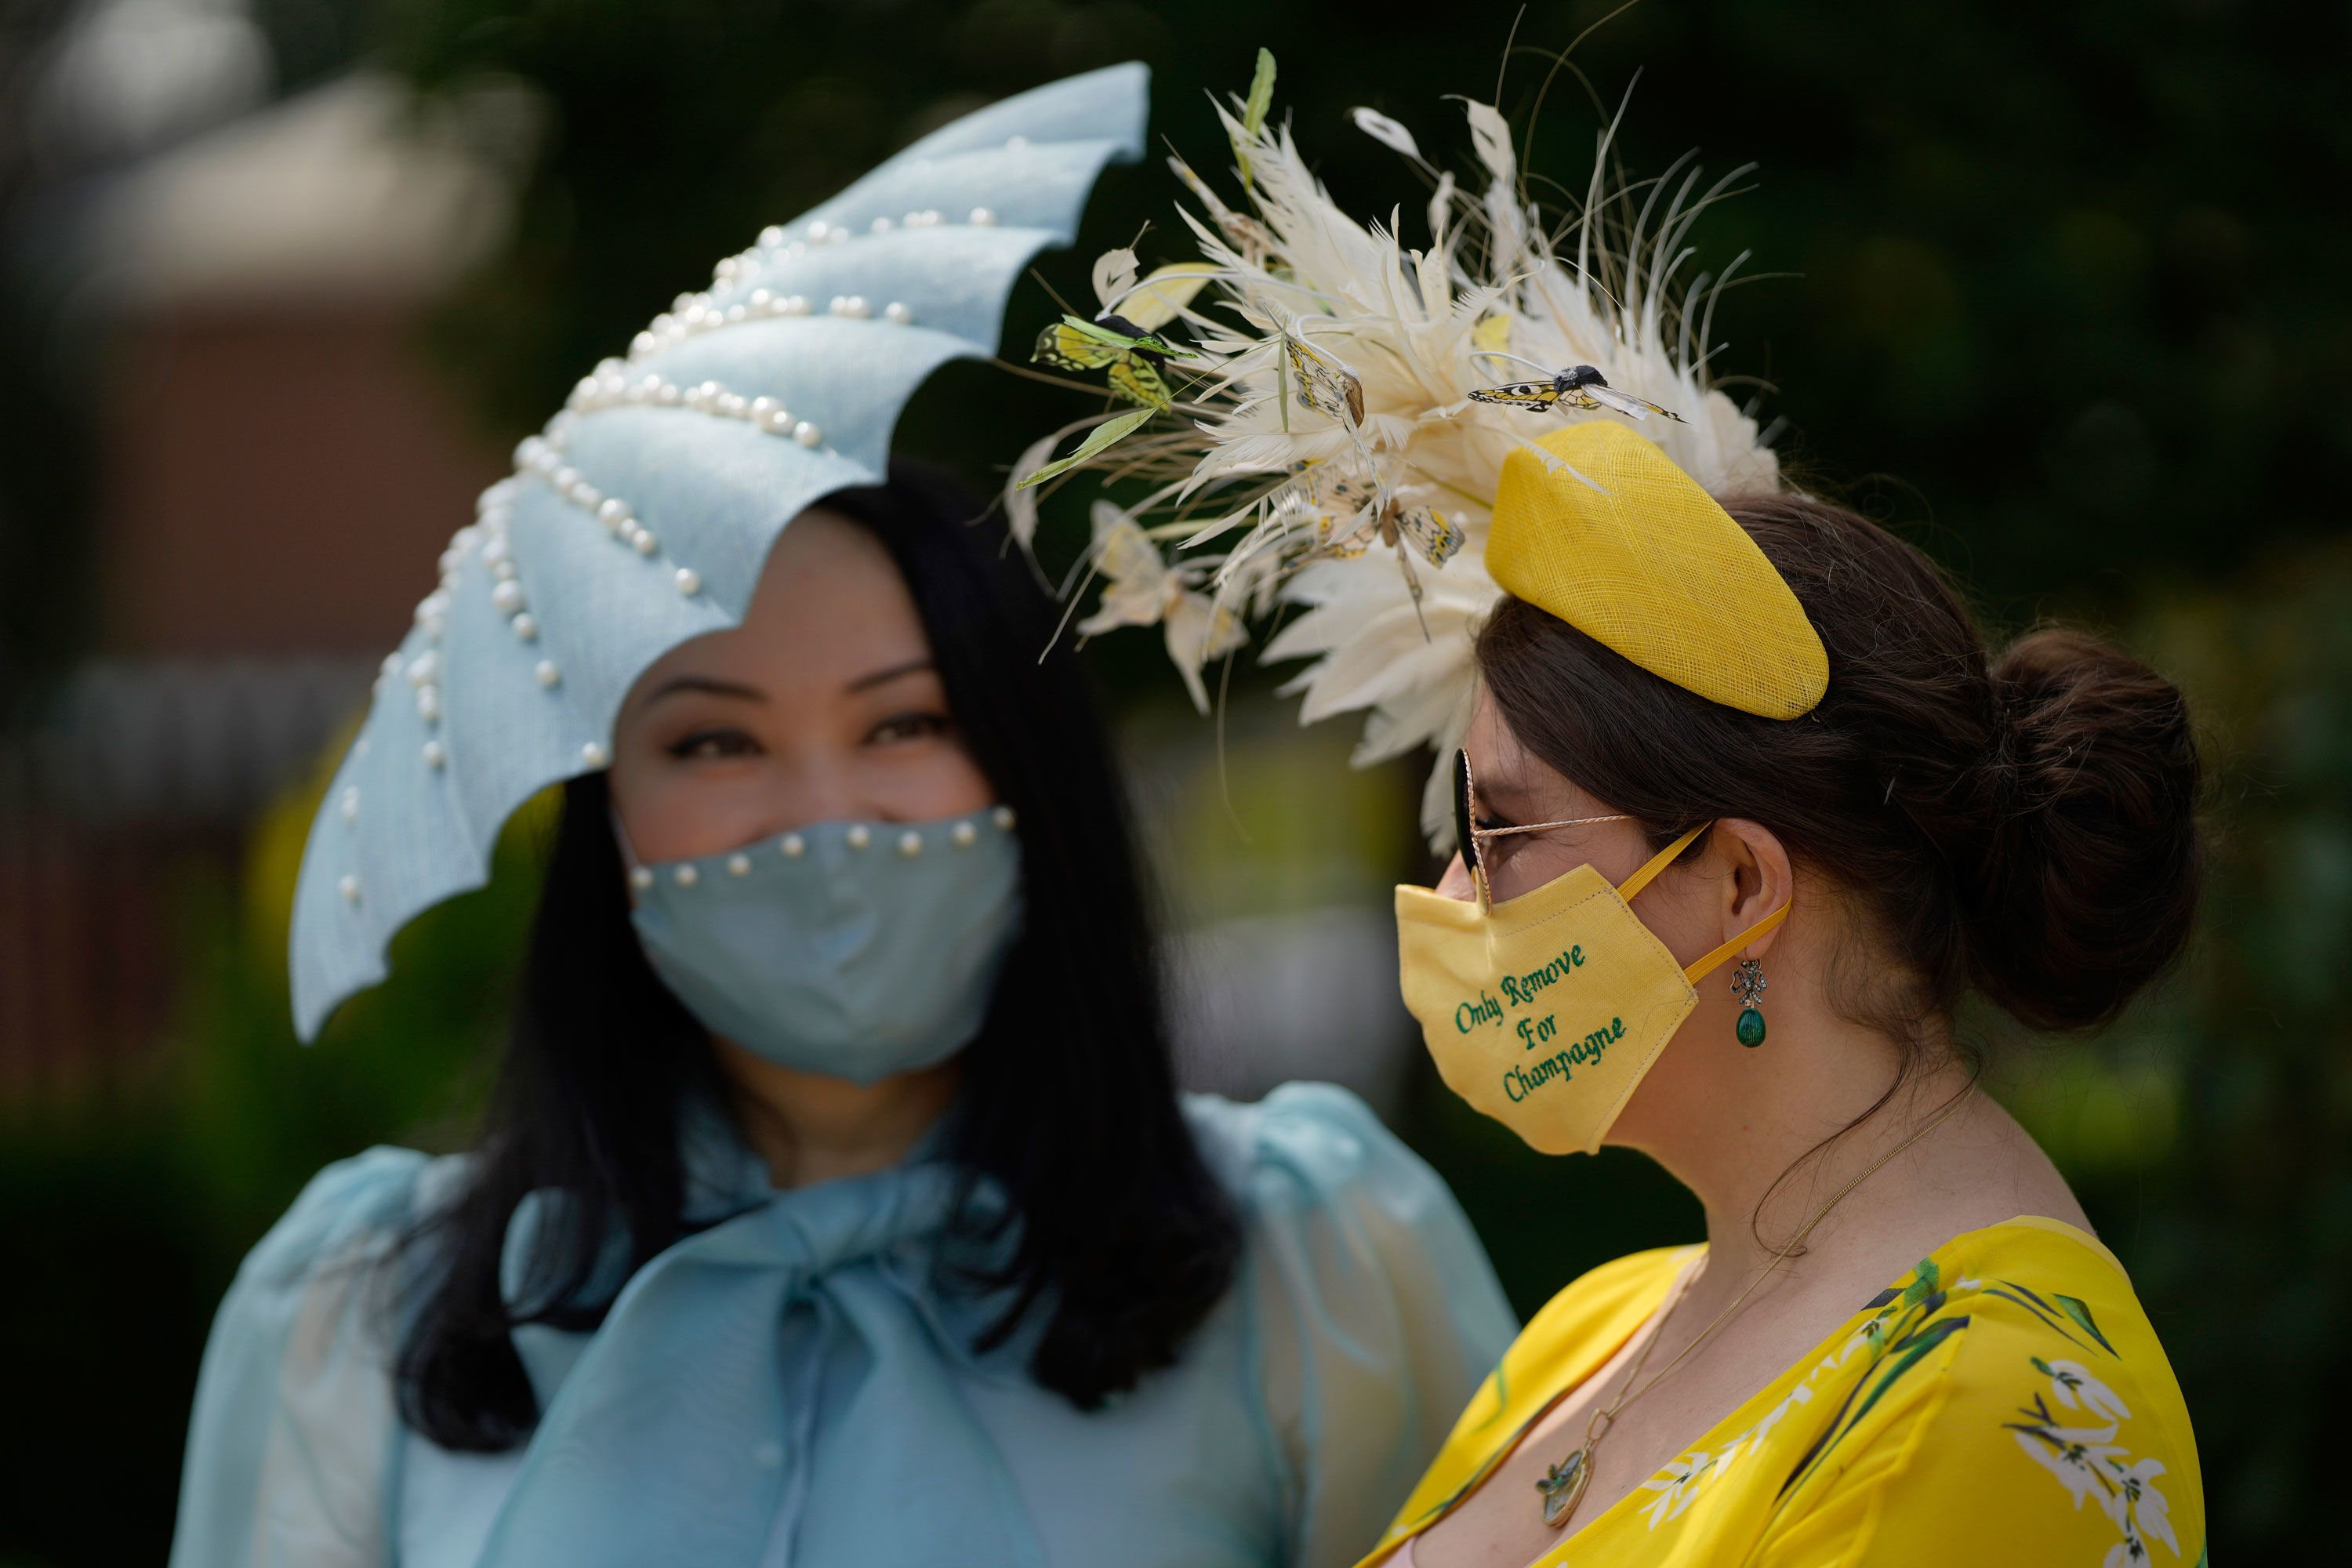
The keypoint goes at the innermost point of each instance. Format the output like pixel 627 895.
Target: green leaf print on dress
pixel 1902 1334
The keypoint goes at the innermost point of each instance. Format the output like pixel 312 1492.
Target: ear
pixel 1760 880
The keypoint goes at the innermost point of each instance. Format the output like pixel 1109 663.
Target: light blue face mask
pixel 852 949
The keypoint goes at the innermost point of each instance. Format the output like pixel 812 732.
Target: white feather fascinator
pixel 1293 409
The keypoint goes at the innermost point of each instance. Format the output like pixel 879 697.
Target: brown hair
pixel 2024 824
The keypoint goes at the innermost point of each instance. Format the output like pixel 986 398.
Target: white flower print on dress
pixel 2072 1386
pixel 1674 1486
pixel 2090 1463
pixel 1679 1484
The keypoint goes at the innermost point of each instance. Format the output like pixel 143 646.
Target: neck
pixel 811 1128
pixel 1748 1139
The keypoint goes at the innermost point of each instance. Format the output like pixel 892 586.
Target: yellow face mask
pixel 1544 1011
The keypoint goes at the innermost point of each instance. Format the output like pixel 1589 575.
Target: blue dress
pixel 787 1386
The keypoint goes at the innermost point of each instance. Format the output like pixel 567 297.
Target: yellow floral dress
pixel 2006 1403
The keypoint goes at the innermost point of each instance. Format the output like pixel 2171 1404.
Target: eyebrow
pixel 707 684
pixel 895 672
pixel 1501 789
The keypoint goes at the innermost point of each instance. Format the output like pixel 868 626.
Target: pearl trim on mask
pixel 909 843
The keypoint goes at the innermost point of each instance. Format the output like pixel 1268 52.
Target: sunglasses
pixel 1469 836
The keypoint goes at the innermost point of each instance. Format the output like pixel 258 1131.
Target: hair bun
pixel 2091 872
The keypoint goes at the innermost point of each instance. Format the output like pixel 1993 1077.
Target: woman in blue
pixel 837 1206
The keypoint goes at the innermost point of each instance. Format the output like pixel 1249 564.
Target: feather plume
pixel 1386 131
pixel 1328 398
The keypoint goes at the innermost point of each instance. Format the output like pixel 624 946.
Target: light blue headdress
pixel 642 515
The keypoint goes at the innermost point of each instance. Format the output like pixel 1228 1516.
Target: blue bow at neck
pixel 783 1386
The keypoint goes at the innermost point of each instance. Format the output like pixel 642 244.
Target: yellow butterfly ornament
pixel 1142 589
pixel 1433 535
pixel 1324 383
pixel 1577 386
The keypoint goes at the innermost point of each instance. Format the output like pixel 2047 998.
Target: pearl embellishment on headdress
pixel 868 269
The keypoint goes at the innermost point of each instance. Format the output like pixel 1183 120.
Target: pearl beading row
pixel 694 314
pixel 792 845
pixel 487 540
pixel 612 387
pixel 541 457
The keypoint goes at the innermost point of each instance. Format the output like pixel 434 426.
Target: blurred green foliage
pixel 2074 280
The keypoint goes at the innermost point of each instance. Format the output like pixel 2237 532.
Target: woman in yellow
pixel 1708 728
pixel 1901 1343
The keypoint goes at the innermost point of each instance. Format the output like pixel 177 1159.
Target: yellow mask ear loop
pixel 1699 968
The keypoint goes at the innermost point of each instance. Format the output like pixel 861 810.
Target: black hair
pixel 1123 1240
pixel 2025 825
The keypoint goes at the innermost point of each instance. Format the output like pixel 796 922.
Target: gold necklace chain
pixel 1563 1487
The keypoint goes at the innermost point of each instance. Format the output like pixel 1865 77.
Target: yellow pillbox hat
pixel 1649 565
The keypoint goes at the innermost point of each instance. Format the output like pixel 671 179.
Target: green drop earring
pixel 1748 985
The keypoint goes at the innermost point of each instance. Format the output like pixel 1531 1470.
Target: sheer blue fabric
pixel 792 1386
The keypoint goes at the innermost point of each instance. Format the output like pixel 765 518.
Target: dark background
pixel 2058 291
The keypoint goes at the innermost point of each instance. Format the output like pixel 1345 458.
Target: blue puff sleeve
pixel 1376 1314
pixel 291 1439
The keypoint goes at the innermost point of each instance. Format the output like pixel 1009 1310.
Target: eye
pixel 916 725
pixel 712 744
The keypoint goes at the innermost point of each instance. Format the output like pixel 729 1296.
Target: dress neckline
pixel 1653 1295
